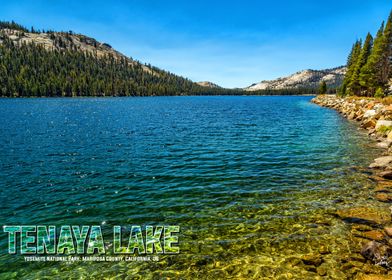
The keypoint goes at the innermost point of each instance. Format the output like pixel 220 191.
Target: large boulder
pixel 369 123
pixel 385 123
pixel 369 113
pixel 387 174
pixel 383 144
pixel 352 115
pixel 381 162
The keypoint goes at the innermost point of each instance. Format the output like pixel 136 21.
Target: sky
pixel 231 43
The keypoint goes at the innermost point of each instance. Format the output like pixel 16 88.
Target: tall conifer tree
pixel 388 39
pixel 371 75
pixel 354 85
pixel 351 61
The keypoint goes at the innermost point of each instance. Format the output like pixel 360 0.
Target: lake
pixel 253 182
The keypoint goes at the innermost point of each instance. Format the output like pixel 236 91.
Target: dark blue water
pixel 244 177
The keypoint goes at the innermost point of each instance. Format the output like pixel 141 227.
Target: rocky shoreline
pixel 372 225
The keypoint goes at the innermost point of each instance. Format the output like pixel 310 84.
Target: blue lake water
pixel 251 181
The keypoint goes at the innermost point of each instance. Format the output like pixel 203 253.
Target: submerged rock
pixel 373 277
pixel 386 174
pixel 384 197
pixel 383 144
pixel 365 215
pixel 377 235
pixel 313 259
pixel 376 253
pixel 388 231
pixel 322 270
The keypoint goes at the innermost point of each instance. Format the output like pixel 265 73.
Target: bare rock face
pixel 69 41
pixel 306 78
pixel 208 84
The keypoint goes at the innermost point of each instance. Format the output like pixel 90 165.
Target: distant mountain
pixel 208 84
pixel 49 63
pixel 57 41
pixel 303 79
pixel 38 63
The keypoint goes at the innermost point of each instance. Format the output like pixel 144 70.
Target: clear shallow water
pixel 252 181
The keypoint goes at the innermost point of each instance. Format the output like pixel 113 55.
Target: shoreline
pixel 374 224
pixel 138 96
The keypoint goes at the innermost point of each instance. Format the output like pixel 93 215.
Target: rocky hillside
pixel 303 79
pixel 208 84
pixel 52 63
pixel 35 63
pixel 65 41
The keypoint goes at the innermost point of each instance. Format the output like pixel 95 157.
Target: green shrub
pixel 379 93
pixel 384 129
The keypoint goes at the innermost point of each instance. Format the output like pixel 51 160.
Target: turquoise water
pixel 251 181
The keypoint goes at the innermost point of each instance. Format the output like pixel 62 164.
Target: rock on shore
pixel 372 225
pixel 371 114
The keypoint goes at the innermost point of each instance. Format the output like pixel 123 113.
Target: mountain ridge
pixel 68 64
pixel 208 84
pixel 307 78
pixel 78 65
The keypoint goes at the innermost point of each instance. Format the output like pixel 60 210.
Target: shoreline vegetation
pixel 193 95
pixel 369 65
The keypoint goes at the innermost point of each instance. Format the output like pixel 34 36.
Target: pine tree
pixel 388 38
pixel 354 85
pixel 385 64
pixel 351 62
pixel 371 76
pixel 323 88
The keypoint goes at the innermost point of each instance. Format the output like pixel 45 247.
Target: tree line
pixel 30 70
pixel 369 64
